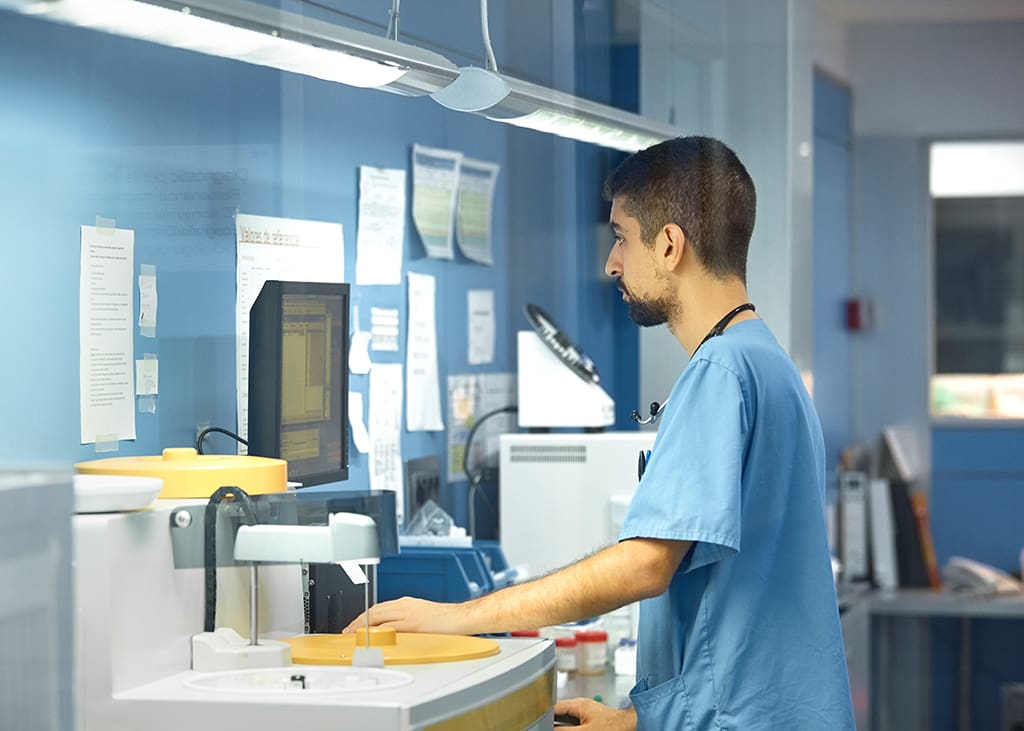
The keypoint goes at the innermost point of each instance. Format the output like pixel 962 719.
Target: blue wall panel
pixel 977 497
pixel 976 504
pixel 96 125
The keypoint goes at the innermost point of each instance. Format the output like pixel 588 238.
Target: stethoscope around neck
pixel 658 408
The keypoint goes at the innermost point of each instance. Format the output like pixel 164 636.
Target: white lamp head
pixel 347 537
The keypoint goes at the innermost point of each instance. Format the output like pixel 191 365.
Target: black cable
pixel 475 480
pixel 204 432
pixel 210 544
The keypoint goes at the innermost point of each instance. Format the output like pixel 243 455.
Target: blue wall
pixel 977 498
pixel 96 125
pixel 976 508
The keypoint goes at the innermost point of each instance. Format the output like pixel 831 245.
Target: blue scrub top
pixel 747 635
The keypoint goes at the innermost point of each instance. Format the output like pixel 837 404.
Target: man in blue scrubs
pixel 724 541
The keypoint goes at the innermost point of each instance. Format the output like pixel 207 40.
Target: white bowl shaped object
pixel 114 493
pixel 299 679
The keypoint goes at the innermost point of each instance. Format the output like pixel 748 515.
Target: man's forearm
pixel 616 576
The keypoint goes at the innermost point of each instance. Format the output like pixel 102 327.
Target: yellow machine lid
pixel 399 648
pixel 187 474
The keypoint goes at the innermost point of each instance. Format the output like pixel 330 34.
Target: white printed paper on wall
pixel 147 376
pixel 435 185
pixel 385 430
pixel 106 342
pixel 147 301
pixel 384 329
pixel 360 436
pixel 359 361
pixel 480 304
pixel 381 226
pixel 284 249
pixel 423 395
pixel 473 213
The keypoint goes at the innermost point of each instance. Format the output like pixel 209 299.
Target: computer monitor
pixel 298 379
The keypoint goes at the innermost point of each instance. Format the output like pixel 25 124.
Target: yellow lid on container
pixel 187 474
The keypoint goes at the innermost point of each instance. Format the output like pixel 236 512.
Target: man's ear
pixel 673 242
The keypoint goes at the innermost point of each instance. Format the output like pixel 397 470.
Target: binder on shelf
pixel 911 565
pixel 853 539
pixel 919 503
pixel 884 563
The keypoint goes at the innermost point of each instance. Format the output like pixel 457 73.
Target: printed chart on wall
pixel 422 385
pixel 284 249
pixel 381 226
pixel 106 350
pixel 473 213
pixel 385 431
pixel 470 398
pixel 435 185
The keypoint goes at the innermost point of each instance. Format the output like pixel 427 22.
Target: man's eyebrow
pixel 615 225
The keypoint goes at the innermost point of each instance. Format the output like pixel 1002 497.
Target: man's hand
pixel 414 615
pixel 596 716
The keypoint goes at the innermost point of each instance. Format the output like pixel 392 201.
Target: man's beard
pixel 650 312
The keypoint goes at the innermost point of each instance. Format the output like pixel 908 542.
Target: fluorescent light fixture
pixel 513 101
pixel 977 169
pixel 245 31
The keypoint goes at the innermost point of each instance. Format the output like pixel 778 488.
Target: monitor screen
pixel 298 379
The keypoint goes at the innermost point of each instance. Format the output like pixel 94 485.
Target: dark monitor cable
pixel 208 430
pixel 476 478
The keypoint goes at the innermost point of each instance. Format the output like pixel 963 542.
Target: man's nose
pixel 613 265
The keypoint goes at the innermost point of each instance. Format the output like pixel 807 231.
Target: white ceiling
pixel 921 11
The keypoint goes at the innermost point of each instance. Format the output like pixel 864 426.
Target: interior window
pixel 978 195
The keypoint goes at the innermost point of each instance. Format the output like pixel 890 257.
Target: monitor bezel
pixel 265 361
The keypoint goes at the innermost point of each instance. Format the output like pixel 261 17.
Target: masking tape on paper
pixel 107 443
pixel 147 300
pixel 105 226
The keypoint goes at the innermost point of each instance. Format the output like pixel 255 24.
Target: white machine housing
pixel 556 493
pixel 551 395
pixel 135 614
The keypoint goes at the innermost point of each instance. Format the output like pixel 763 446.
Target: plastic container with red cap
pixel 565 654
pixel 592 651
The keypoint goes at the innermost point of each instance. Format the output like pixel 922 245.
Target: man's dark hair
pixel 698 184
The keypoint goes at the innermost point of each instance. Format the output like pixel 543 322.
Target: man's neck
pixel 703 305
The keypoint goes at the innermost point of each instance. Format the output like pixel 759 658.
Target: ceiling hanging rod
pixel 393 20
pixel 504 98
pixel 485 24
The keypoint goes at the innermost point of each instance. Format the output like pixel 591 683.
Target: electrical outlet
pixel 422 483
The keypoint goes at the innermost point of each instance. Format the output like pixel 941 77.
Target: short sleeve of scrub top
pixel 690 490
